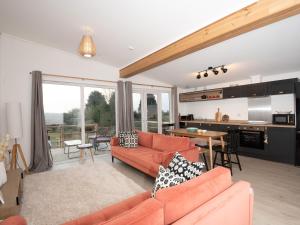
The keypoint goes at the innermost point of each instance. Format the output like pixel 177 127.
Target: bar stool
pixel 231 148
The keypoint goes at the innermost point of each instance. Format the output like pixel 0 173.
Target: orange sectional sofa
pixel 210 199
pixel 154 150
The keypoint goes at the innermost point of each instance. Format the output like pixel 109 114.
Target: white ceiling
pixel 271 50
pixel 148 26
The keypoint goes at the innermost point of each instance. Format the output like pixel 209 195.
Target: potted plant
pixel 3 148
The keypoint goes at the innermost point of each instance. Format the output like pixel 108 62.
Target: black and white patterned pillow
pixel 131 140
pixel 184 168
pixel 165 178
pixel 121 138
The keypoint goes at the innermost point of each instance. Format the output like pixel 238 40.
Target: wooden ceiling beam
pixel 254 16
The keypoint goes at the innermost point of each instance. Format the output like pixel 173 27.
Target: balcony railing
pixel 58 133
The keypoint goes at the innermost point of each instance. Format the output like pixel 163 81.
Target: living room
pixel 190 84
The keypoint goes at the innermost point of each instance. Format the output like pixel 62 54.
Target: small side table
pixel 84 147
pixel 68 144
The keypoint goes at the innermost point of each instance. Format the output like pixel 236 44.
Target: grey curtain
pixel 121 106
pixel 129 106
pixel 41 159
pixel 125 107
pixel 175 106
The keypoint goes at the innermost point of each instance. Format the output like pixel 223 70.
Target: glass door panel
pixel 99 112
pixel 137 110
pixel 152 113
pixel 165 107
pixel 62 113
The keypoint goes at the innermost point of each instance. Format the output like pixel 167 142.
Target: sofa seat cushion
pixel 141 156
pixel 170 143
pixel 186 197
pixel 145 139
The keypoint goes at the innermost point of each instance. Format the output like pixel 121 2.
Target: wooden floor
pixel 276 187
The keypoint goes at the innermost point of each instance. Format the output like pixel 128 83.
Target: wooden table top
pixel 207 134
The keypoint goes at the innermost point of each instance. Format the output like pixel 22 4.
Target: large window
pixel 78 112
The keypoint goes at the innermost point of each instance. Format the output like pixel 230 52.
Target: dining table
pixel 208 135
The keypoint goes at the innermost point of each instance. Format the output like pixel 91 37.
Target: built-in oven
pixel 252 137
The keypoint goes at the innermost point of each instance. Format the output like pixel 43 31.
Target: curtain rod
pixel 92 79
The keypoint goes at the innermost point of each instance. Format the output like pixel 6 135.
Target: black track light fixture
pixel 224 70
pixel 215 70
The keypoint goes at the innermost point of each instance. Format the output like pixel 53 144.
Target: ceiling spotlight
pixel 205 74
pixel 215 71
pixel 224 69
pixel 199 75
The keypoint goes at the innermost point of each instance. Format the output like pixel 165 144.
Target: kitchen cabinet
pixel 282 87
pixel 256 90
pixel 232 92
pixel 281 145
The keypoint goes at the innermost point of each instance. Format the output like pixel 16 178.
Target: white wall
pixel 19 57
pixel 237 109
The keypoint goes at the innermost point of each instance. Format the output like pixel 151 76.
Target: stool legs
pixel 205 161
pixel 92 154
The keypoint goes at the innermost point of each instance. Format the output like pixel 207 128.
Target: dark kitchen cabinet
pixel 232 92
pixel 281 146
pixel 282 87
pixel 256 90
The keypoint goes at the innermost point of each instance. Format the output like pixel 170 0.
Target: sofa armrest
pixel 114 141
pixel 111 211
pixel 14 220
pixel 148 212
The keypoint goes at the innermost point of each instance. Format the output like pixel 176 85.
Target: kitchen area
pixel 265 114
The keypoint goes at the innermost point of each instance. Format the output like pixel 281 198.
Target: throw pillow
pixel 121 138
pixel 164 179
pixel 131 140
pixel 184 168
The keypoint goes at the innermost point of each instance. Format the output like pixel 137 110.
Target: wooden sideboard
pixel 12 194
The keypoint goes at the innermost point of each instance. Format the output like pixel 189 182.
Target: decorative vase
pixel 3 177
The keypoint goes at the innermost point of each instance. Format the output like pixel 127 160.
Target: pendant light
pixel 87 46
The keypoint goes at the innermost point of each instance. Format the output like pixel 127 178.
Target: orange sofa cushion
pixel 110 212
pixel 170 143
pixel 233 206
pixel 140 156
pixel 183 199
pixel 14 220
pixel 145 139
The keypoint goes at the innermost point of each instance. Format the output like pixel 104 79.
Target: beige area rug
pixel 54 197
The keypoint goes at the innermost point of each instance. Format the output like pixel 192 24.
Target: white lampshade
pixel 14 119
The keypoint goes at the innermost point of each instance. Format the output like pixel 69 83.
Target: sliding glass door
pixel 99 112
pixel 77 113
pixel 62 113
pixel 151 110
